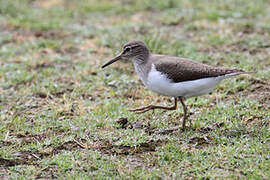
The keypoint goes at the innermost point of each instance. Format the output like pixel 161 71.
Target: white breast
pixel 160 84
pixel 142 72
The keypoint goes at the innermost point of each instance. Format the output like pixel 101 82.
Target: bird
pixel 172 76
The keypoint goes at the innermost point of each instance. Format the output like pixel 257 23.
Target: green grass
pixel 59 109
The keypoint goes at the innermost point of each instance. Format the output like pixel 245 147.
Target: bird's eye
pixel 127 49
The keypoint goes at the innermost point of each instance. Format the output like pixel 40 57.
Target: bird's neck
pixel 142 68
pixel 141 58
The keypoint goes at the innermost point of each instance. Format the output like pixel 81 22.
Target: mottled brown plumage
pixel 181 69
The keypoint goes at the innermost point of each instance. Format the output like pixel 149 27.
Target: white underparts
pixel 160 84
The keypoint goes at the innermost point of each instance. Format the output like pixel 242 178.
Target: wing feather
pixel 180 69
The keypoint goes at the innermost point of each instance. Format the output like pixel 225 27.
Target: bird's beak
pixel 118 57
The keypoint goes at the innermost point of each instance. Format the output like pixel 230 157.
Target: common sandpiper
pixel 172 76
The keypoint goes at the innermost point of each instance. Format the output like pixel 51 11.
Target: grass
pixel 62 116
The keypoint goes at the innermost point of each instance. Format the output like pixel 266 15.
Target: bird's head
pixel 133 51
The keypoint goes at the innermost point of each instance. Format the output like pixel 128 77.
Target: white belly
pixel 160 84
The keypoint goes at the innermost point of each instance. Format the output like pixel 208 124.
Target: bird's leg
pixel 185 112
pixel 140 109
pixel 152 107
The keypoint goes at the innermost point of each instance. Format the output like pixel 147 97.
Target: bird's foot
pixel 151 107
pixel 141 109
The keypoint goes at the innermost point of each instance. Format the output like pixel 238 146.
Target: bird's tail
pixel 235 73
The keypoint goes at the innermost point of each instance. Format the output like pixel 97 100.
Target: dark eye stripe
pixel 126 49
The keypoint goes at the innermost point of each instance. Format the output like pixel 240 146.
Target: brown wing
pixel 179 69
